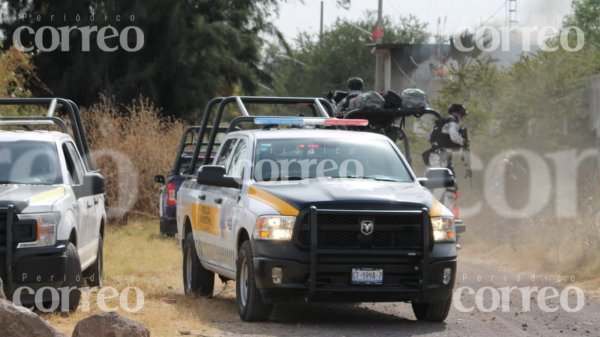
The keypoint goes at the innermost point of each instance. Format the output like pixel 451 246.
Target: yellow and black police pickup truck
pixel 297 209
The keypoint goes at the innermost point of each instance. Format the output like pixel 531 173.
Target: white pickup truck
pixel 52 214
pixel 319 215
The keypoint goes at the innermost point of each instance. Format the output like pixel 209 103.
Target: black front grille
pixel 3 215
pixel 23 230
pixel 391 231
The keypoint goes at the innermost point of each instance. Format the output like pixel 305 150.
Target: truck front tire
pixel 196 279
pixel 432 311
pixel 250 305
pixel 95 273
pixel 73 280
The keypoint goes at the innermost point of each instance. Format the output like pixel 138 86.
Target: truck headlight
pixel 274 227
pixel 443 229
pixel 46 229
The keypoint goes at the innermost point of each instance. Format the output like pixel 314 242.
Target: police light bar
pixel 310 121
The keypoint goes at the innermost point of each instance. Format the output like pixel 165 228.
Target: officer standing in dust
pixel 447 137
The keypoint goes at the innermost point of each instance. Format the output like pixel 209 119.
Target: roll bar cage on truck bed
pixel 380 120
pixel 320 108
pixel 199 142
pixel 72 111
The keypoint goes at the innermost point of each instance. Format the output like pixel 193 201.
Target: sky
pixel 296 15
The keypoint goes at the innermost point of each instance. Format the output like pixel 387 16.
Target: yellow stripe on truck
pixel 279 205
pixel 205 218
pixel 54 193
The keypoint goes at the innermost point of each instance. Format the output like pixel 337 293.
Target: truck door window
pixel 225 152
pixel 236 166
pixel 74 164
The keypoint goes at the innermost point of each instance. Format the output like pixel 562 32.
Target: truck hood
pixel 23 196
pixel 344 193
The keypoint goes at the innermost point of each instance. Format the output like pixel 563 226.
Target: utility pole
pixel 382 57
pixel 321 30
pixel 511 15
pixel 380 19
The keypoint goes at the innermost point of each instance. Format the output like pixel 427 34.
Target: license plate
pixel 367 276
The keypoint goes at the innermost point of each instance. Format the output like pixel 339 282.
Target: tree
pixel 539 100
pixel 193 50
pixel 16 71
pixel 585 16
pixel 314 67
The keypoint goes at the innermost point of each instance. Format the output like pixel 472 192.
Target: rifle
pixel 466 154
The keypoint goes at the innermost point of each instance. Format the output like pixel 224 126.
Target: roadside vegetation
pixel 132 143
pixel 540 103
pixel 16 70
pixel 136 256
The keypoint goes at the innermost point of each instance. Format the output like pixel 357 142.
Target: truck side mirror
pixel 437 178
pixel 94 183
pixel 214 175
pixel 159 178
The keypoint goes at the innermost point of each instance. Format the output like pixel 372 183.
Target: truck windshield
pixel 298 159
pixel 29 162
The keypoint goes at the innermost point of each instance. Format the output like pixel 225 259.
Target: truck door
pixel 83 204
pixel 230 202
pixel 207 213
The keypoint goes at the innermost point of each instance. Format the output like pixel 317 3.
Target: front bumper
pixel 36 268
pixel 320 273
pixel 26 270
pixel 295 284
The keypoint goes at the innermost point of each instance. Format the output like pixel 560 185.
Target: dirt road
pixel 155 267
pixel 396 319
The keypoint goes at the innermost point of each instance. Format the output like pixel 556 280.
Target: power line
pixel 430 10
pixel 391 3
pixel 493 15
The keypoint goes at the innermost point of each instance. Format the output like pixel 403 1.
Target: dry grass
pixel 137 256
pixel 16 70
pixel 139 140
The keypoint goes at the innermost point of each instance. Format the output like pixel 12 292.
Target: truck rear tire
pixel 95 273
pixel 432 311
pixel 250 304
pixel 196 279
pixel 163 229
pixel 73 280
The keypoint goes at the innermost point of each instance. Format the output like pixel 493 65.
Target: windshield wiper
pixel 292 178
pixel 384 179
pixel 377 178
